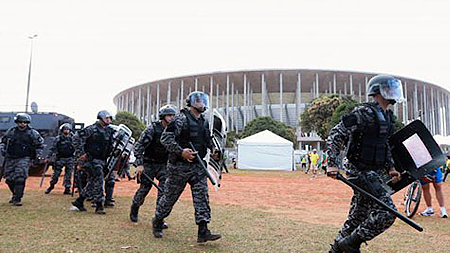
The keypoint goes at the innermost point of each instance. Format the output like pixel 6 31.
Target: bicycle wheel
pixel 414 194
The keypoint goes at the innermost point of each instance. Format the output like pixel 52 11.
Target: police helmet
pixel 65 126
pixel 166 110
pixel 104 114
pixel 199 100
pixel 389 87
pixel 22 117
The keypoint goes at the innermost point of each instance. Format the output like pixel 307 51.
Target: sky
pixel 87 51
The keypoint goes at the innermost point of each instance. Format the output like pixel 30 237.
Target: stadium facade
pixel 241 96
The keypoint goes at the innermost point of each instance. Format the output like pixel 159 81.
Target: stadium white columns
pixel 196 85
pixel 181 94
pixel 217 96
pixel 365 90
pixel 415 103
pixel 238 112
pixel 281 97
pixel 334 83
pixel 359 97
pixel 169 93
pixel 245 100
pixel 139 104
pixel 149 112
pixel 232 106
pixel 127 102
pixel 298 97
pixel 132 101
pixel 351 85
pixel 264 109
pixel 158 105
pixel 211 109
pixel 227 112
pixel 405 106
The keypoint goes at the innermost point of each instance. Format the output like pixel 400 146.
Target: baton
pixel 208 174
pixel 43 174
pixel 153 182
pixel 381 203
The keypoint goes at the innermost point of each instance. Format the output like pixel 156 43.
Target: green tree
pixel 260 124
pixel 131 121
pixel 317 117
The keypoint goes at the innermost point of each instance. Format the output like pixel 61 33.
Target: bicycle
pixel 412 198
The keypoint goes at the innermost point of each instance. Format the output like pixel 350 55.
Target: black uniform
pixel 366 130
pixel 64 151
pixel 96 142
pixel 19 148
pixel 153 156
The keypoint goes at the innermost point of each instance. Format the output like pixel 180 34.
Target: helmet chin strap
pixel 202 110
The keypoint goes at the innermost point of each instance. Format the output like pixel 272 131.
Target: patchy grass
pixel 44 224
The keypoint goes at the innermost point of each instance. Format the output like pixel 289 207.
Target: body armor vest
pixel 195 132
pixel 21 144
pixel 369 147
pixel 155 151
pixel 64 147
pixel 98 144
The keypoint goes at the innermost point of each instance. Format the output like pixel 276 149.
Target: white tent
pixel 265 151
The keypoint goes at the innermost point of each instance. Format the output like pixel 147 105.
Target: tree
pixel 260 124
pixel 131 121
pixel 317 117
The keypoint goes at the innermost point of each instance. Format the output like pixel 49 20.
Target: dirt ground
pixel 320 200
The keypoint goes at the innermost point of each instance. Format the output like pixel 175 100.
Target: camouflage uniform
pixel 64 149
pixel 366 123
pixel 175 138
pixel 152 155
pixel 96 142
pixel 19 148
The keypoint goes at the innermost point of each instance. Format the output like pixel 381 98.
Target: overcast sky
pixel 89 50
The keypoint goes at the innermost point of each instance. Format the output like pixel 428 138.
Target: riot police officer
pixel 20 145
pixel 93 145
pixel 367 129
pixel 151 159
pixel 64 151
pixel 182 168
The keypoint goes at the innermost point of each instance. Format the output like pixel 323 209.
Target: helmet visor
pixel 392 89
pixel 199 100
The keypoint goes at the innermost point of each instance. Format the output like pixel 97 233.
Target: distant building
pixel 241 96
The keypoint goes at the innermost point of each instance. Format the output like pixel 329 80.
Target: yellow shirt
pixel 314 158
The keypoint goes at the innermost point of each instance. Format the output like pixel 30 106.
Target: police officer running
pixel 151 159
pixel 93 145
pixel 366 130
pixel 64 150
pixel 182 168
pixel 19 146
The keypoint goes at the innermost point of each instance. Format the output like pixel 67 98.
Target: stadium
pixel 240 96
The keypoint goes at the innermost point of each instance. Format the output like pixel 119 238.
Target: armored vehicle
pixel 46 123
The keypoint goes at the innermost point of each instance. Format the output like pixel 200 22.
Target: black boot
pixel 67 191
pixel 134 211
pixel 204 234
pixel 78 205
pixel 49 189
pixel 99 208
pixel 157 228
pixel 335 248
pixel 109 189
pixel 19 187
pixel 11 188
pixel 164 225
pixel 351 243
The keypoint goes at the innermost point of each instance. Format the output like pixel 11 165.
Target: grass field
pixel 44 224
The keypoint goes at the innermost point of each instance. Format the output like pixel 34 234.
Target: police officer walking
pixel 367 129
pixel 151 159
pixel 64 150
pixel 182 168
pixel 93 145
pixel 20 145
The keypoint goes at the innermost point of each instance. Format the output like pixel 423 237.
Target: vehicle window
pixel 4 119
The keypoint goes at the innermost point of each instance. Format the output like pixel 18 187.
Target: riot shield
pixel 121 140
pixel 415 153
